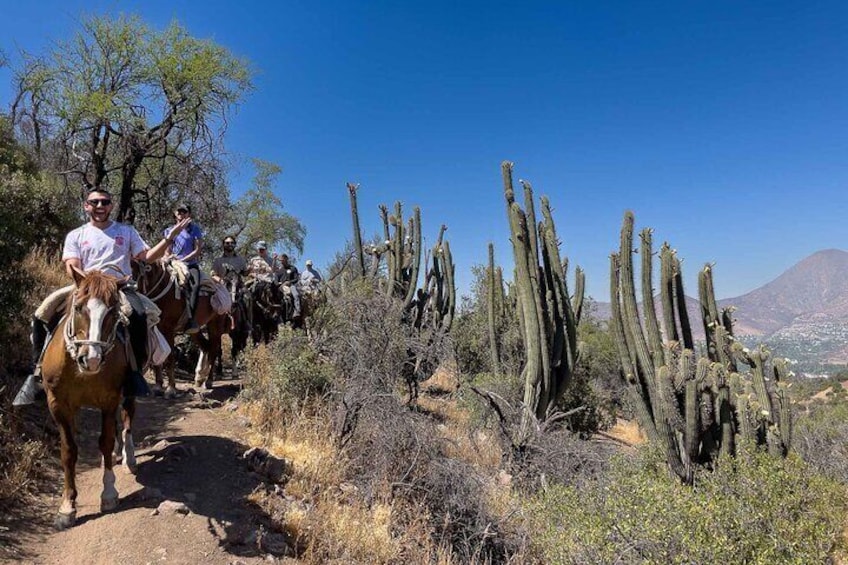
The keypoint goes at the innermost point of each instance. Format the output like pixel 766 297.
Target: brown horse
pixel 85 364
pixel 158 283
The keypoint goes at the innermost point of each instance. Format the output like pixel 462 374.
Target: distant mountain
pixel 803 313
pixel 813 290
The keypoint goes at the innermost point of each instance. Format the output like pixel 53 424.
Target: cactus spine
pixel 549 315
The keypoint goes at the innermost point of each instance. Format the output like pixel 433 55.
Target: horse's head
pixel 93 319
pixel 233 282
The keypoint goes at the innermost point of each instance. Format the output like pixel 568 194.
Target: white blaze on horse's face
pixel 97 311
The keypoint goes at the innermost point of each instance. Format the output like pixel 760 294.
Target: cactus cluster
pixel 434 303
pixel 697 405
pixel 548 314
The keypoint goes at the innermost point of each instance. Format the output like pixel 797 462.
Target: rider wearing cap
pixel 310 278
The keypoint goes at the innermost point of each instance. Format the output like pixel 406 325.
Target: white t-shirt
pixel 104 250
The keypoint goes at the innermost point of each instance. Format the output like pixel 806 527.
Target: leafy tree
pixel 137 111
pixel 259 215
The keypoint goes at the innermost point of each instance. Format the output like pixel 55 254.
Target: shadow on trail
pixel 204 472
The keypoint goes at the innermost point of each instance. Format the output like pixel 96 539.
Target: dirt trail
pixel 189 451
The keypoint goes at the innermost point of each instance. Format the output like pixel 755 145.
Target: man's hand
pixel 175 231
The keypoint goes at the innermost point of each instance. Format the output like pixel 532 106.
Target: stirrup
pixel 191 326
pixel 30 391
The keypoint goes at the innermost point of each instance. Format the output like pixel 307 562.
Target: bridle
pixel 72 344
pixel 159 288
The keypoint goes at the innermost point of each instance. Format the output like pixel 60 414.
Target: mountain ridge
pixel 804 309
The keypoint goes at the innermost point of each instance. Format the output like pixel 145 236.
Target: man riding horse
pixel 103 245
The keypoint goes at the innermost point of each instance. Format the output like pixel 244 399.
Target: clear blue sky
pixel 722 125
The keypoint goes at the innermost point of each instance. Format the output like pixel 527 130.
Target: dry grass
pixel 627 432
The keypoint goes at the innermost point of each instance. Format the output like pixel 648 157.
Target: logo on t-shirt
pixel 119 240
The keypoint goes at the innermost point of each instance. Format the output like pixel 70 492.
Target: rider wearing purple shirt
pixel 187 247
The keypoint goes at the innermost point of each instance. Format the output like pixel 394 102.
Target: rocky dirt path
pixel 190 453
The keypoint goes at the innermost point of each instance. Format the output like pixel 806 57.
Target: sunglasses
pixel 229 243
pixel 94 202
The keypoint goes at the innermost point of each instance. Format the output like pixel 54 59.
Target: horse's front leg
pixel 127 415
pixel 168 367
pixel 109 496
pixel 64 418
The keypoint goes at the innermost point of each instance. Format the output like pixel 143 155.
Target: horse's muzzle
pixel 87 362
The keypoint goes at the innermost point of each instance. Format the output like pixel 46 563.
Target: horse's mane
pixel 97 284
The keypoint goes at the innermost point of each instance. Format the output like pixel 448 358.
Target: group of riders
pixel 102 244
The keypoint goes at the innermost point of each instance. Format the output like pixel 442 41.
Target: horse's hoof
pixel 65 521
pixel 108 504
pixel 170 392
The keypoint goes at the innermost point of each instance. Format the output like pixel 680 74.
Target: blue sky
pixel 722 125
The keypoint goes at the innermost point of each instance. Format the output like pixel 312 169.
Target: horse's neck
pixel 162 281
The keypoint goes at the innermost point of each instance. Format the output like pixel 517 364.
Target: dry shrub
pixel 21 457
pixel 388 484
pixel 43 273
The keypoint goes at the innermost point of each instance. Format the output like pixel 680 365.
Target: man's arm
pixel 159 249
pixel 71 264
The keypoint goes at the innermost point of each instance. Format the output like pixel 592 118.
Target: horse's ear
pixel 78 275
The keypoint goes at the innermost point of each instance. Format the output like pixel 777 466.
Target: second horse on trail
pixel 161 282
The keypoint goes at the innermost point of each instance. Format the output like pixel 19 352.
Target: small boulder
pixel 273 469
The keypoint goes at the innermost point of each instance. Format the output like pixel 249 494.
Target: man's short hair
pixel 98 189
pixel 182 206
pixel 228 239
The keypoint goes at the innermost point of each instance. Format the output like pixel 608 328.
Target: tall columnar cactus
pixel 548 315
pixel 357 233
pixel 696 406
pixel 494 303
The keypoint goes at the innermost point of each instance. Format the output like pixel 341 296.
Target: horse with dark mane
pixel 239 321
pixel 85 364
pixel 268 309
pixel 161 285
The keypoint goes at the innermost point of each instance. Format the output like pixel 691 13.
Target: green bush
pixel 820 437
pixel 753 509
pixel 283 375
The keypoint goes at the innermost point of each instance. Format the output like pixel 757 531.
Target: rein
pixel 165 280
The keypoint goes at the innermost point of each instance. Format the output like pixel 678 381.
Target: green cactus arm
pixel 638 395
pixel 667 293
pixel 491 293
pixel 652 327
pixel 357 233
pixel 530 212
pixel 630 313
pixel 680 301
pixel 415 257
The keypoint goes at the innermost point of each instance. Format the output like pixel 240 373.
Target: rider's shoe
pixel 31 391
pixel 192 327
pixel 135 385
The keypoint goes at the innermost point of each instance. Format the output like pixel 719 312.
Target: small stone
pixel 172 507
pixel 162 444
pixel 504 478
pixel 232 407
